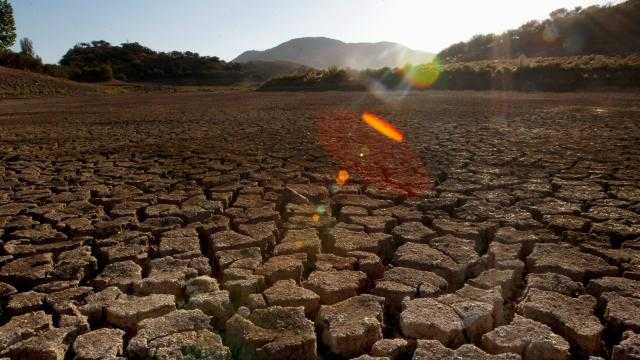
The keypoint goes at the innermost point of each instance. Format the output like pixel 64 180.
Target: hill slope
pixel 601 30
pixel 321 53
pixel 17 83
pixel 260 71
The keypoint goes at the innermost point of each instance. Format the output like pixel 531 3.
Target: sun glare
pixel 382 126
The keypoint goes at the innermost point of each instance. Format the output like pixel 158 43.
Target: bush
pixel 315 80
pixel 96 73
pixel 134 62
pixel 21 61
pixel 606 30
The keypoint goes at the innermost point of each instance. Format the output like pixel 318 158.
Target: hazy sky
pixel 227 28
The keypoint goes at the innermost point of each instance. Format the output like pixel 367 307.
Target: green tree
pixel 26 47
pixel 7 25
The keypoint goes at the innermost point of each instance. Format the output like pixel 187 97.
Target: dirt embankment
pixel 20 84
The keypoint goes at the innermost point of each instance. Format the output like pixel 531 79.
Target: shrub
pixel 7 25
pixel 95 73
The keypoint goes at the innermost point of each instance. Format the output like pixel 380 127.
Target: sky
pixel 227 28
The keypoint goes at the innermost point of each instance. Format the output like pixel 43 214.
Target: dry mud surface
pixel 211 226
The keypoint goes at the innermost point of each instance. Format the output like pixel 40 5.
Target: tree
pixel 26 47
pixel 7 25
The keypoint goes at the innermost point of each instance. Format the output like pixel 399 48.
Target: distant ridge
pixel 322 52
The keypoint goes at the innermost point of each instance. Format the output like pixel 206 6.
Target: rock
pixel 369 263
pixel 96 303
pixel 527 239
pixel 201 284
pixel 369 357
pixel 6 290
pixel 629 347
pixel 342 241
pixel 393 349
pixel 567 222
pixel 181 243
pixel 303 193
pixel 126 245
pixel 215 303
pixel 400 282
pixel 231 240
pixel 506 256
pixel 99 344
pixel 507 280
pixel 49 345
pixel 120 274
pixel 256 301
pixel 374 224
pixel 168 275
pixel 569 261
pixel 22 327
pixel 622 313
pixel 572 318
pixel 247 258
pixel 402 213
pixel 241 289
pixel 531 339
pixel 63 301
pixel 126 311
pixel 27 270
pixel 172 332
pixel 491 297
pixel 283 267
pixel 352 326
pixel 300 241
pixel 287 293
pixel 335 286
pixel 75 264
pixel 196 344
pixel 554 282
pixel 25 302
pixel 429 319
pixel 619 285
pixel 424 257
pixel 361 201
pixel 264 232
pixel 162 210
pixel 273 333
pixel 326 262
pixel 477 317
pixel 434 350
pixel 464 230
pixel 414 232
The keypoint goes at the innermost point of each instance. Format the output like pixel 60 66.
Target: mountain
pixel 322 52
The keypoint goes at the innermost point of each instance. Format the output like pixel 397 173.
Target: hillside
pixel 606 30
pixel 322 53
pixel 17 84
pixel 259 71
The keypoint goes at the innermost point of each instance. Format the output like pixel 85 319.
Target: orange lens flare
pixel 382 126
pixel 343 176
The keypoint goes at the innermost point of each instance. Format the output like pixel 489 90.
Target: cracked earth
pixel 211 226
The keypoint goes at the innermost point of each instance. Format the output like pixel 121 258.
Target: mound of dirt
pixel 20 84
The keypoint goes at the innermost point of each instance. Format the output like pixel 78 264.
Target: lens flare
pixel 422 76
pixel 363 152
pixel 372 160
pixel 382 126
pixel 343 176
